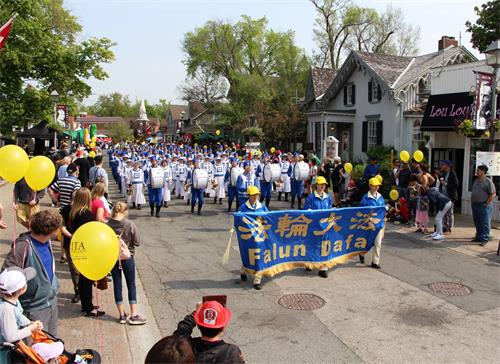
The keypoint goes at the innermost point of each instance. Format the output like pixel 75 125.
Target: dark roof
pixel 322 78
pixel 175 111
pixel 387 66
pixel 40 130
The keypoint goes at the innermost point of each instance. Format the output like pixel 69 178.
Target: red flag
pixel 4 32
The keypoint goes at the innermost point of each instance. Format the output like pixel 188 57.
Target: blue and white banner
pixel 278 241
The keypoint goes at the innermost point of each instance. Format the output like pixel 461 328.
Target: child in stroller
pixel 14 326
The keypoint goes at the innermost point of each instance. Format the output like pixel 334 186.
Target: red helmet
pixel 212 315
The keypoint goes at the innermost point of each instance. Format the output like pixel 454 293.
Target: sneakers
pixel 433 234
pixel 243 277
pixel 123 319
pixel 483 243
pixel 257 286
pixel 137 320
pixel 361 259
pixel 323 273
pixel 375 265
pixel 438 237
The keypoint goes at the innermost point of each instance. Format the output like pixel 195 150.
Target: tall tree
pixel 487 26
pixel 114 104
pixel 204 86
pixel 42 54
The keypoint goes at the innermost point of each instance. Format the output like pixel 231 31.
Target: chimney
pixel 447 41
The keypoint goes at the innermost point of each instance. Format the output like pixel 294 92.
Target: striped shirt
pixel 66 186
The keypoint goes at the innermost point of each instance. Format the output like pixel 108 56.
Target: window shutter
pixel 353 94
pixel 380 128
pixel 364 137
pixel 345 95
pixel 370 85
pixel 379 93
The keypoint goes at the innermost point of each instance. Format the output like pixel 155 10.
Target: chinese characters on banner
pixel 278 241
pixel 482 102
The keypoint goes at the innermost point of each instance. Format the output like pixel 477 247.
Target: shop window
pixel 478 145
pixel 418 140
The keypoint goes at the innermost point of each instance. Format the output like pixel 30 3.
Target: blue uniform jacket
pixel 370 200
pixel 246 207
pixel 244 181
pixel 316 202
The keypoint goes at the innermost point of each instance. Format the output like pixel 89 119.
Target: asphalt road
pixel 389 316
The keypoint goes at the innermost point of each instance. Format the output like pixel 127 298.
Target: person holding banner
pixel 253 205
pixel 375 199
pixel 319 200
pixel 244 181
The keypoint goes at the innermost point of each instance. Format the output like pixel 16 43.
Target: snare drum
pixel 272 172
pixel 200 179
pixel 301 171
pixel 157 177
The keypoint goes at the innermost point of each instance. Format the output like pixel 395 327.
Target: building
pixel 185 121
pixel 177 115
pixel 451 100
pixel 374 99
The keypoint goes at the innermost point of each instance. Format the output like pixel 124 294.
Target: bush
pixel 381 152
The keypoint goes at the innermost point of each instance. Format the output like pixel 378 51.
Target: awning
pixel 443 112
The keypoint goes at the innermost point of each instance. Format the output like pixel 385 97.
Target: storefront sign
pixel 443 111
pixel 490 160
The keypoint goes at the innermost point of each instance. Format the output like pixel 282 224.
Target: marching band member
pixel 319 200
pixel 266 187
pixel 285 186
pixel 181 174
pixel 209 167
pixel 253 205
pixel 219 174
pixel 374 198
pixel 244 181
pixel 136 179
pixel 167 182
pixel 196 193
pixel 297 186
pixel 232 192
pixel 124 172
pixel 155 194
pixel 173 166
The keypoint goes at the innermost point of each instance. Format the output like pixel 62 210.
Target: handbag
pixel 124 250
pixel 102 284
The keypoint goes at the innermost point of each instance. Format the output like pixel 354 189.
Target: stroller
pixel 20 353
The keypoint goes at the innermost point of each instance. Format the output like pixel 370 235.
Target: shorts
pixel 25 211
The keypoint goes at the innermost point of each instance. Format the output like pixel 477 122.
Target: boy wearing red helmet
pixel 211 318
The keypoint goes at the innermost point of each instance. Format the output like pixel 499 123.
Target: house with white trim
pixel 374 99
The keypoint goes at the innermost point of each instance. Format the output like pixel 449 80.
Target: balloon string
pixel 100 336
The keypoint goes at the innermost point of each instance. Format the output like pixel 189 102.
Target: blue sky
pixel 148 33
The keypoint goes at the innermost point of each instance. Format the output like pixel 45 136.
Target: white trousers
pixel 377 246
pixel 439 218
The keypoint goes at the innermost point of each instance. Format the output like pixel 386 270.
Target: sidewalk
pixel 116 343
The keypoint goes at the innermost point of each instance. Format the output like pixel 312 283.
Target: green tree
pixel 487 26
pixel 42 54
pixel 120 132
pixel 114 104
pixel 264 70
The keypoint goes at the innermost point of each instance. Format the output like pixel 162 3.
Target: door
pixel 456 156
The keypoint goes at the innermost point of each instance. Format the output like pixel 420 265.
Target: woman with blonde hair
pixel 129 234
pixel 76 215
pixel 99 205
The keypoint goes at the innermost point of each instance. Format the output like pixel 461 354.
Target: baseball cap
pixel 252 190
pixel 14 278
pixel 320 180
pixel 72 168
pixel 246 164
pixel 374 182
pixel 212 315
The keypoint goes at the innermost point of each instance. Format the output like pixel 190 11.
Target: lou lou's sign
pixel 452 110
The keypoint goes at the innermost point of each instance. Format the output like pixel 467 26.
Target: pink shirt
pixel 96 204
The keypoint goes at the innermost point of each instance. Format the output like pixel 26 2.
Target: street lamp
pixel 54 95
pixel 493 59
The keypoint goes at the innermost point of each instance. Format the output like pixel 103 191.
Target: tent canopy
pixel 40 131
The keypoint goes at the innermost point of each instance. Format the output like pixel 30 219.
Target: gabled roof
pixel 387 67
pixel 322 78
pixel 393 72
pixel 175 111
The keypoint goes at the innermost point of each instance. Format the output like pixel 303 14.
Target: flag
pixel 4 32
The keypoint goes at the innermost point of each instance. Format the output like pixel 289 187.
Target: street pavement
pixel 386 316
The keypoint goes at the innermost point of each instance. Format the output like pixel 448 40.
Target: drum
pixel 301 171
pixel 272 172
pixel 200 178
pixel 157 177
pixel 235 172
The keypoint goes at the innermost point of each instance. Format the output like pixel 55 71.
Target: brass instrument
pixel 186 186
pixel 214 184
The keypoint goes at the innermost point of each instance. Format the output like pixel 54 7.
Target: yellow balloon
pixel 394 194
pixel 348 167
pixel 92 145
pixel 41 172
pixel 272 150
pixel 13 163
pixel 92 154
pixel 379 178
pixel 94 139
pixel 418 156
pixel 404 155
pixel 217 132
pixel 94 250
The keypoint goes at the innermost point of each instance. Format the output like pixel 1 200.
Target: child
pixel 413 187
pixel 14 326
pixel 422 217
pixel 401 214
